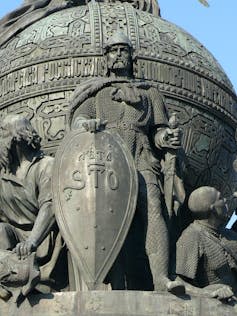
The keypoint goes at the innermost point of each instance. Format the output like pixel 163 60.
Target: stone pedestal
pixel 116 303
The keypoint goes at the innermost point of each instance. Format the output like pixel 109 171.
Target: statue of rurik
pixel 135 111
pixel 109 192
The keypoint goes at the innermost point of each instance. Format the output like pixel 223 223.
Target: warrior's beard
pixel 121 64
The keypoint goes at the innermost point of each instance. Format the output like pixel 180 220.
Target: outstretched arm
pixel 45 218
pixel 166 132
pixel 220 291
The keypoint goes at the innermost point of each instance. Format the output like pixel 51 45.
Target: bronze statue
pixel 27 221
pixel 34 10
pixel 117 189
pixel 28 13
pixel 17 277
pixel 135 110
pixel 206 250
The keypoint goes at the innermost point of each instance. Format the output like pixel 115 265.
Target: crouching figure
pixel 206 250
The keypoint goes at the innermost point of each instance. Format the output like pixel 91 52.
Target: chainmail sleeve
pixel 160 116
pixel 86 110
pixel 188 253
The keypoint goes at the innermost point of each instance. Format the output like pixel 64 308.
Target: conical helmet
pixel 118 38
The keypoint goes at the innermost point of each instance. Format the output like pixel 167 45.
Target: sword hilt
pixel 173 121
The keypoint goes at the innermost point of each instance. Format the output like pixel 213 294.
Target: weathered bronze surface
pixel 139 115
pixel 135 110
pixel 27 220
pixel 18 277
pixel 95 193
pixel 117 303
pixel 41 65
pixel 206 250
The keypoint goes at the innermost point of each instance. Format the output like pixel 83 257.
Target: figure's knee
pixel 4 228
pixel 8 237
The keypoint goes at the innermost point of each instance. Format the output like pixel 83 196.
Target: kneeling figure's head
pixel 205 202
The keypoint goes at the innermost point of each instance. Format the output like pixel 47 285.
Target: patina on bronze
pixel 58 54
pixel 47 57
pixel 32 11
pixel 17 277
pixel 27 220
pixel 95 193
pixel 206 250
pixel 135 110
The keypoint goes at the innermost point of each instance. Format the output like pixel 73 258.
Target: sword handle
pixel 173 121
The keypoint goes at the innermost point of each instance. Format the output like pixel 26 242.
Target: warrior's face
pixel 119 58
pixel 16 131
pixel 221 208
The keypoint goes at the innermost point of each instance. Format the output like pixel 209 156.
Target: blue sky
pixel 214 27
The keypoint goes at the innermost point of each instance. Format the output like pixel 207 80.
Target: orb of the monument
pixel 41 65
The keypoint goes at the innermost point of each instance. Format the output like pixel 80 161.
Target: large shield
pixel 95 191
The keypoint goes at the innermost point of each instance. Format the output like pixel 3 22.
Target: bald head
pixel 201 201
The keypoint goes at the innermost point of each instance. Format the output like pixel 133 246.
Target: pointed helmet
pixel 118 38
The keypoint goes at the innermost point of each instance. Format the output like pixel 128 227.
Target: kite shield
pixel 95 191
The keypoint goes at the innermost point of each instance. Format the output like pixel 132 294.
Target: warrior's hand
pixel 25 248
pixel 168 138
pixel 90 125
pixel 223 293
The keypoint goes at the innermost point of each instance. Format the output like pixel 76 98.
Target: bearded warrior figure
pixel 135 110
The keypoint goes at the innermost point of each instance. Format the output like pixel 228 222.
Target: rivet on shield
pixel 78 209
pixel 111 210
pixel 86 247
pixel 103 248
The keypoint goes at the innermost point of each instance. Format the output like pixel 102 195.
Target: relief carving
pixel 139 115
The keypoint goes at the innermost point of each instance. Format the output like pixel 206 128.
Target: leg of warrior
pixel 138 273
pixel 157 240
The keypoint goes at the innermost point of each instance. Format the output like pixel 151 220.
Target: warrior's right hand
pixel 223 293
pixel 24 248
pixel 168 138
pixel 90 125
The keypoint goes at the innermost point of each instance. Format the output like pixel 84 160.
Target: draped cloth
pixel 20 202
